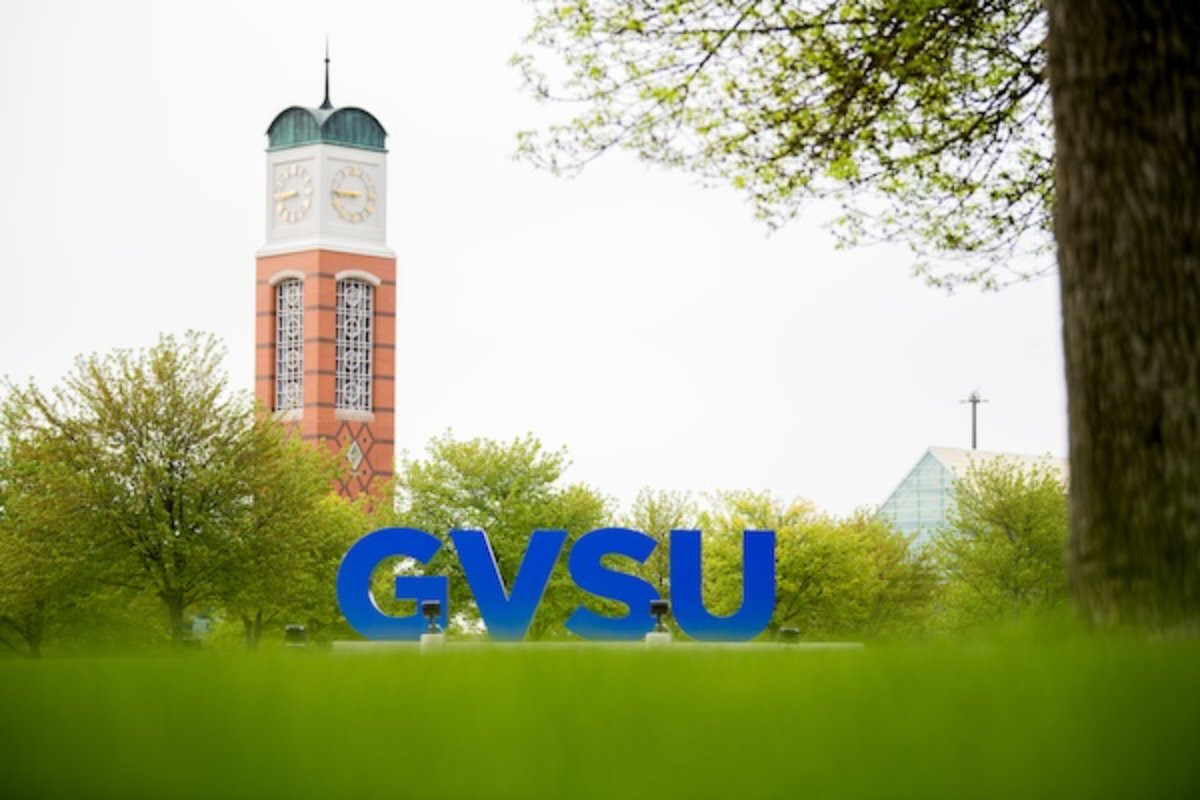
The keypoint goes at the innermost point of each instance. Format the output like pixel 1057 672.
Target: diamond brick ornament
pixel 354 455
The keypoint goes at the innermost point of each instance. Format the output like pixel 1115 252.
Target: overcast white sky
pixel 648 324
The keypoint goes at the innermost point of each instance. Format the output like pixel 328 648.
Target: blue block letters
pixel 508 614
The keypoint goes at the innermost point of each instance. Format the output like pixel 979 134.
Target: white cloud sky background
pixel 648 324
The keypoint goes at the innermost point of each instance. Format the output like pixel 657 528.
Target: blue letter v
pixel 507 615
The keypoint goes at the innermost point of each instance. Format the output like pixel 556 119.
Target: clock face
pixel 353 193
pixel 293 192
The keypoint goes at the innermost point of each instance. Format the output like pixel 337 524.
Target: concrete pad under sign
pixel 350 646
pixel 346 646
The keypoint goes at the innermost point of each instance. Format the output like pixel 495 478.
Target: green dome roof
pixel 349 127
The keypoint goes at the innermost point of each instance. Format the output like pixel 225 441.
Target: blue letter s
pixel 592 576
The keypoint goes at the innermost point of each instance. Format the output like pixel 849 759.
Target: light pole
pixel 974 400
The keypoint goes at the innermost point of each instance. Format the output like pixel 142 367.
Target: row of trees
pixel 143 482
pixel 1001 554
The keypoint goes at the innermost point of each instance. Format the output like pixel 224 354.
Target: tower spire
pixel 326 103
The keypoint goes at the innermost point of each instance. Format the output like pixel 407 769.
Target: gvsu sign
pixel 508 612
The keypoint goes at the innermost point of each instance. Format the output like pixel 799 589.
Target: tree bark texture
pixel 175 607
pixel 1125 83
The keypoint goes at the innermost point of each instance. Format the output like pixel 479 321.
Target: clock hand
pixel 284 195
pixel 346 193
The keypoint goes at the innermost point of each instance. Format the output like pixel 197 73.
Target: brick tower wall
pixel 320 420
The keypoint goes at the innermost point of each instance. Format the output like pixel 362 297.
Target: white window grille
pixel 353 345
pixel 289 344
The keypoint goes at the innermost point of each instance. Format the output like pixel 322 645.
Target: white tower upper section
pixel 326 182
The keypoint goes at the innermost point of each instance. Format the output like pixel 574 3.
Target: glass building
pixel 920 503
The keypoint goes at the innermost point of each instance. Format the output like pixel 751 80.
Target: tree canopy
pixel 835 578
pixel 507 490
pixel 1003 549
pixel 169 483
pixel 43 552
pixel 928 121
pixel 657 513
pixel 283 561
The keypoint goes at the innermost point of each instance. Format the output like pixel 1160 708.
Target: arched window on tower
pixel 289 344
pixel 353 345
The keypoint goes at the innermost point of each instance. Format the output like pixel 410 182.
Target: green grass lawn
pixel 1080 718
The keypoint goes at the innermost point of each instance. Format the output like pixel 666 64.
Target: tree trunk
pixel 174 601
pixel 30 649
pixel 253 627
pixel 1125 83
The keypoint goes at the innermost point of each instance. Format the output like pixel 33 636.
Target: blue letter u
pixel 758 588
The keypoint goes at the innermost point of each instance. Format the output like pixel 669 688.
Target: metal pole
pixel 974 400
pixel 325 103
pixel 974 408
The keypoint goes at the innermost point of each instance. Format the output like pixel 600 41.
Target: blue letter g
pixel 354 583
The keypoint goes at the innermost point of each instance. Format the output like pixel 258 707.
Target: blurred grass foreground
pixel 1080 717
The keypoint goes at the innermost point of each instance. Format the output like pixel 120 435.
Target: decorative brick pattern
pixel 319 420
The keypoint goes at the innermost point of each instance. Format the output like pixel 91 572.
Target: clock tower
pixel 326 288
